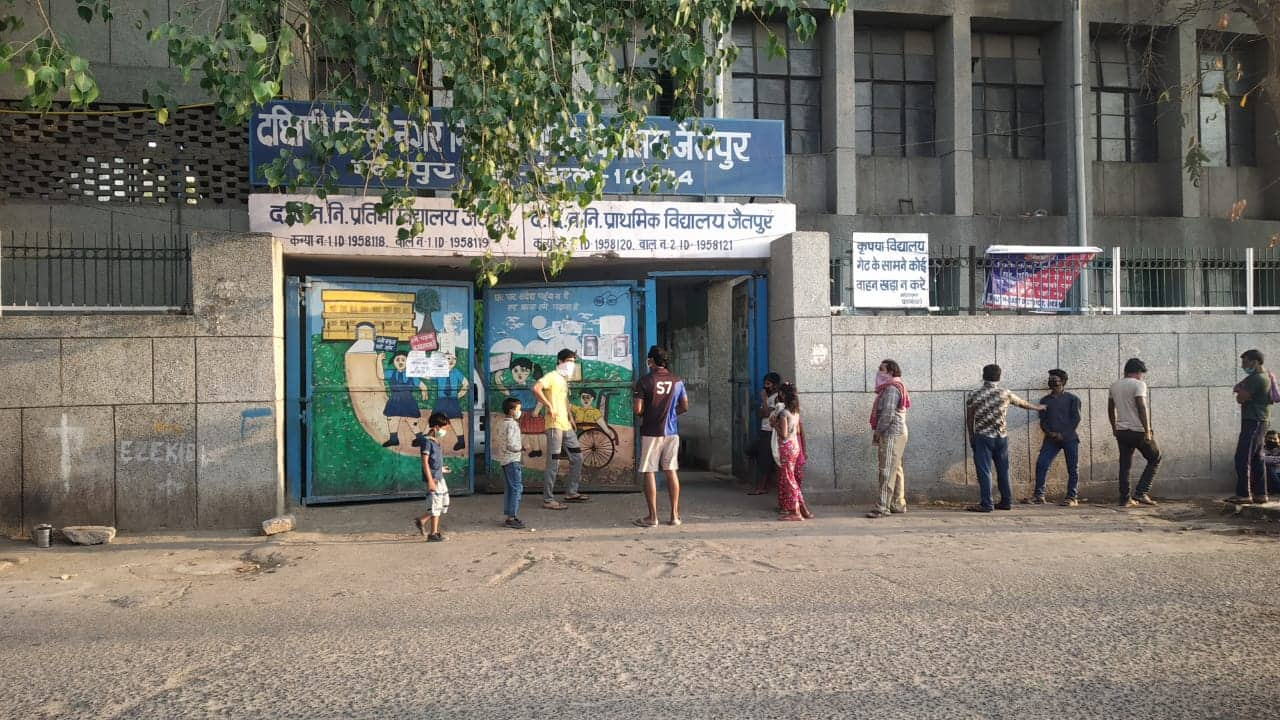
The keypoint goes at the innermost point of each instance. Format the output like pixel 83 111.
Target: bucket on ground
pixel 42 535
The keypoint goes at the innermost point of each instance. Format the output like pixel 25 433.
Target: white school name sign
pixel 890 270
pixel 352 225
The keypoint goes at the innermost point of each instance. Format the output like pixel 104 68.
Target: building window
pixel 894 89
pixel 1008 97
pixel 787 88
pixel 1124 108
pixel 1226 128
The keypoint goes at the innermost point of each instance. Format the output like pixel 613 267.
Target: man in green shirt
pixel 1254 395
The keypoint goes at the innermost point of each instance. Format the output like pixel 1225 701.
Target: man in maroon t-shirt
pixel 657 399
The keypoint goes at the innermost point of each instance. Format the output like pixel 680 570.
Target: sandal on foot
pixel 790 517
pixel 553 505
pixel 577 498
pixel 675 522
pixel 644 523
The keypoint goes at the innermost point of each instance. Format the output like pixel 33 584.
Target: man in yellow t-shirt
pixel 552 390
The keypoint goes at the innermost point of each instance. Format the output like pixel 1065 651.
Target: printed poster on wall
pixel 526 328
pixel 1031 277
pixel 890 270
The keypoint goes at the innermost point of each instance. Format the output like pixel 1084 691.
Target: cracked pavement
pixel 1044 612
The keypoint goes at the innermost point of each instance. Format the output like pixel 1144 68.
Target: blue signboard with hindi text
pixel 737 157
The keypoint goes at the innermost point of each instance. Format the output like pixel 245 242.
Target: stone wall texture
pixel 138 421
pixel 1193 361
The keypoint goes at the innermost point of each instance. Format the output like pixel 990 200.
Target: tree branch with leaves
pixel 520 74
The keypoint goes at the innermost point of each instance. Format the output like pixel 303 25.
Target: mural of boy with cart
pixel 596 436
pixel 525 329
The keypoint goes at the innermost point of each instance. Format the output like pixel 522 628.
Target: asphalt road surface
pixel 1172 612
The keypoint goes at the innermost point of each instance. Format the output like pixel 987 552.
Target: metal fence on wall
pixel 1151 280
pixel 88 272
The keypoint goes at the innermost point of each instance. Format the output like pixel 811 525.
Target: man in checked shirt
pixel 984 419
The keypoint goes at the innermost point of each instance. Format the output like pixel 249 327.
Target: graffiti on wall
pixel 527 328
pixel 383 361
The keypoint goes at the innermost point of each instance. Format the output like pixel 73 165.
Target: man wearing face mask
pixel 1254 395
pixel 552 390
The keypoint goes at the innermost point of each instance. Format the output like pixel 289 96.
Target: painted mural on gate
pixel 526 327
pixel 384 360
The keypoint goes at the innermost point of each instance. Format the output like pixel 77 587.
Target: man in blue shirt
pixel 1059 420
pixel 657 399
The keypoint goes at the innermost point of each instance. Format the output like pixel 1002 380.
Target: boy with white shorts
pixel 657 399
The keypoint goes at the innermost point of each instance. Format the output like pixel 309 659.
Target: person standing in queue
pixel 658 398
pixel 765 466
pixel 552 391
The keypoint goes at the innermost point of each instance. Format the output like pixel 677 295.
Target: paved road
pixel 1038 613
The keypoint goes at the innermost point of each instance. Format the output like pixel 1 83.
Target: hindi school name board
pixel 734 157
pixel 890 270
pixel 352 225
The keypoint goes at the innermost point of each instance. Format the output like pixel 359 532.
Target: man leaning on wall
pixel 1254 396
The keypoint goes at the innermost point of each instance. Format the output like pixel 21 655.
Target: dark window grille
pixel 87 272
pixel 895 78
pixel 1124 107
pixel 1008 97
pixel 785 88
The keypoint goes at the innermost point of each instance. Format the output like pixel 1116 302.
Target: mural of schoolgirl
pixel 522 374
pixel 450 393
pixel 401 405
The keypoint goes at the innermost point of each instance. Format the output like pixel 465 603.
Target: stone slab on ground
pixel 279 524
pixel 89 534
pixel 1265 511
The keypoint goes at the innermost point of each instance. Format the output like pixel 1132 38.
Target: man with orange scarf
pixel 889 433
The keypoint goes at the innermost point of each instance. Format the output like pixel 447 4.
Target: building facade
pixel 951 118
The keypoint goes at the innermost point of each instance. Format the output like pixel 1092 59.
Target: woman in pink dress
pixel 786 429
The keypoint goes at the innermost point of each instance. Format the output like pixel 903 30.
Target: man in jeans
pixel 985 421
pixel 1130 417
pixel 1254 396
pixel 1059 421
pixel 552 391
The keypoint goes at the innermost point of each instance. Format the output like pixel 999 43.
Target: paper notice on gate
pixel 437 365
pixel 612 324
pixel 417 365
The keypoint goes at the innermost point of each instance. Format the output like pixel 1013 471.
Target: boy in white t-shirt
pixel 1130 416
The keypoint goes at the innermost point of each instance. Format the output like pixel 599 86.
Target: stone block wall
pixel 150 422
pixel 1193 361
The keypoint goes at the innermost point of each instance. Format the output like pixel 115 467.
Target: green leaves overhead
pixel 512 73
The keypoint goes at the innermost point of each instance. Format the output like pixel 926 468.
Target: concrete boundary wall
pixel 1193 361
pixel 150 421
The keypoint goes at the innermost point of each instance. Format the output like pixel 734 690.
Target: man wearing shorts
pixel 657 399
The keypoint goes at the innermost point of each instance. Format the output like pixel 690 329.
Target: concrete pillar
pixel 720 373
pixel 839 133
pixel 1180 117
pixel 800 343
pixel 954 107
pixel 1059 102
pixel 237 283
